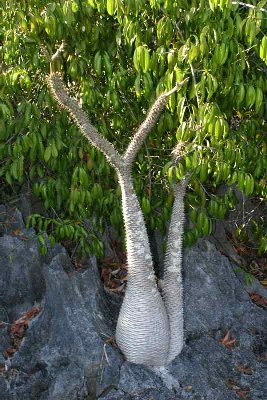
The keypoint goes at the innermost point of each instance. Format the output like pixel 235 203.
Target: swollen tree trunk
pixel 142 331
pixel 150 328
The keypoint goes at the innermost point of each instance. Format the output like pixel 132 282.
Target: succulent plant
pixel 150 324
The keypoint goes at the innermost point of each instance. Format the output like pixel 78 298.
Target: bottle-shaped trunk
pixel 142 331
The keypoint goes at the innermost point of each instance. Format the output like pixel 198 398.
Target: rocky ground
pixel 57 326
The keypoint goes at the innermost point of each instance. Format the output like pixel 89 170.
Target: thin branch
pixel 195 81
pixel 60 93
pixel 149 173
pixel 190 65
pixel 240 3
pixel 58 52
pixel 56 56
pixel 134 118
pixel 148 124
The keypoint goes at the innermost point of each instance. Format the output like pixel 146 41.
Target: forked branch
pixel 148 124
pixel 143 333
pixel 60 93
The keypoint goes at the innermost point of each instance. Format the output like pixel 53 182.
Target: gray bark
pixel 143 328
pixel 172 285
pixel 145 322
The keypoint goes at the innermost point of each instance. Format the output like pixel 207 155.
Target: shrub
pixel 118 56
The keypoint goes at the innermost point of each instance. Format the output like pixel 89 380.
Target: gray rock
pixel 136 379
pixel 21 279
pixel 4 339
pixel 10 220
pixel 214 299
pixel 64 354
pixel 114 394
pixel 4 390
pixel 204 367
pixel 28 203
pixel 64 337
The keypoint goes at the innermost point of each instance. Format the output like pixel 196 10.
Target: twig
pixel 105 353
pixel 191 65
pixel 128 106
pixel 149 173
pixel 74 251
pixel 5 323
pixel 58 52
pixel 56 214
pixel 240 3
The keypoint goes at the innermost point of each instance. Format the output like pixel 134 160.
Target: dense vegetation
pixel 118 56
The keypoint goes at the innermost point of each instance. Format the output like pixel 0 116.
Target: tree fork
pixel 146 318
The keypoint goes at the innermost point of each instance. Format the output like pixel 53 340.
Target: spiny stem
pixel 60 93
pixel 149 123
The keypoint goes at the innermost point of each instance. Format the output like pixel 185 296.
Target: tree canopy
pixel 118 56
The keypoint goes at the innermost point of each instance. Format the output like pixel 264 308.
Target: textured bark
pixel 148 124
pixel 150 328
pixel 143 328
pixel 59 91
pixel 172 285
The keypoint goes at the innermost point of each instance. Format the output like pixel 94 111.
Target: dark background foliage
pixel 118 56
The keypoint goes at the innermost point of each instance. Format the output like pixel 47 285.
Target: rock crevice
pixel 64 353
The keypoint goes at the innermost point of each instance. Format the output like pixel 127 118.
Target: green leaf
pixel 47 153
pixel 74 6
pixel 111 6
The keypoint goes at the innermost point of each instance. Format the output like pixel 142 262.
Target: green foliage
pixel 247 277
pixel 67 230
pixel 118 56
